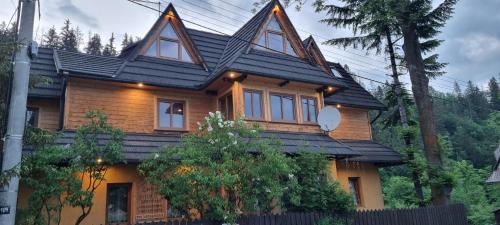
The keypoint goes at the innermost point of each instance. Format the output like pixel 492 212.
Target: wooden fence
pixel 440 215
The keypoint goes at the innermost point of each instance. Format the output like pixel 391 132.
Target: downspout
pixel 62 102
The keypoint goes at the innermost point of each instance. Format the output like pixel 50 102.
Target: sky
pixel 471 38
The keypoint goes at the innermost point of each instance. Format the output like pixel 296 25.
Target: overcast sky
pixel 471 47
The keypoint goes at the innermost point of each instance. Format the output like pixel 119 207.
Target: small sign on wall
pixel 4 210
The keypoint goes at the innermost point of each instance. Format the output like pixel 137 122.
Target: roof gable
pixel 169 26
pixel 278 24
pixel 316 54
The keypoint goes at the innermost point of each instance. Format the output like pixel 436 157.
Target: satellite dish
pixel 329 118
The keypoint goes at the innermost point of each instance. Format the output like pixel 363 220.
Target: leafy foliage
pixel 68 176
pixel 214 173
pixel 225 169
pixel 318 193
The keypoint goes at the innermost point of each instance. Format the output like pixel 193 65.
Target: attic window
pixel 168 45
pixel 335 72
pixel 274 38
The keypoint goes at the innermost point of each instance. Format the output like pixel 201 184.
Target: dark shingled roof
pixel 81 63
pixel 138 146
pixel 374 153
pixel 219 53
pixel 43 65
pixel 355 95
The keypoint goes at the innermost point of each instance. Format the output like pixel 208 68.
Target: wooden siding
pixel 128 107
pixel 354 124
pixel 48 112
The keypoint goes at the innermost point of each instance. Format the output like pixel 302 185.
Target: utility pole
pixel 417 183
pixel 12 151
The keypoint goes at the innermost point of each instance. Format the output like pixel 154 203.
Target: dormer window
pixel 168 45
pixel 275 39
pixel 335 72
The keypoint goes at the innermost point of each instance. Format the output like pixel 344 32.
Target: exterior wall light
pixel 140 85
pixel 338 106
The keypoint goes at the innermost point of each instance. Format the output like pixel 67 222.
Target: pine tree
pixel 109 49
pixel 94 45
pixel 494 94
pixel 127 40
pixel 69 37
pixel 51 39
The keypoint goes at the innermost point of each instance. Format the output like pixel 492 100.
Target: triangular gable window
pixel 168 45
pixel 275 39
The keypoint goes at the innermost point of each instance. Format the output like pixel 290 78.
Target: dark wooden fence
pixel 440 215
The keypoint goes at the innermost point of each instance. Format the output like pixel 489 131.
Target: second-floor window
pixel 171 114
pixel 253 104
pixel 282 107
pixel 169 45
pixel 309 109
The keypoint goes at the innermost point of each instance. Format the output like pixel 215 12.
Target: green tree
pixel 94 46
pixel 470 191
pixel 51 39
pixel 214 172
pixel 110 49
pixel 318 192
pixel 494 94
pixel 69 37
pixel 60 176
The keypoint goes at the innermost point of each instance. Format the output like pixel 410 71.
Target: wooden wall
pixel 48 112
pixel 129 107
pixel 354 124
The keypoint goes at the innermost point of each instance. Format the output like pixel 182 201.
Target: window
pixel 171 114
pixel 226 106
pixel 253 104
pixel 118 203
pixel 335 72
pixel 32 117
pixel 355 190
pixel 275 38
pixel 282 107
pixel 309 109
pixel 168 45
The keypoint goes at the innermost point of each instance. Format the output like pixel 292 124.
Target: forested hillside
pixel 468 122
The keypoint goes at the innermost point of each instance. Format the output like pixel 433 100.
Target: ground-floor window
pixel 118 203
pixel 354 187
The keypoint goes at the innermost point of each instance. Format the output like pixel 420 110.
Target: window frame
pixel 315 99
pixel 158 114
pixel 357 195
pixel 294 106
pixel 129 201
pixel 37 115
pixel 262 110
pixel 227 108
pixel 180 45
pixel 283 34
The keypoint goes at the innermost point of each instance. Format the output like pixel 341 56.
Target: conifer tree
pixel 69 37
pixel 51 39
pixel 494 94
pixel 94 45
pixel 110 49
